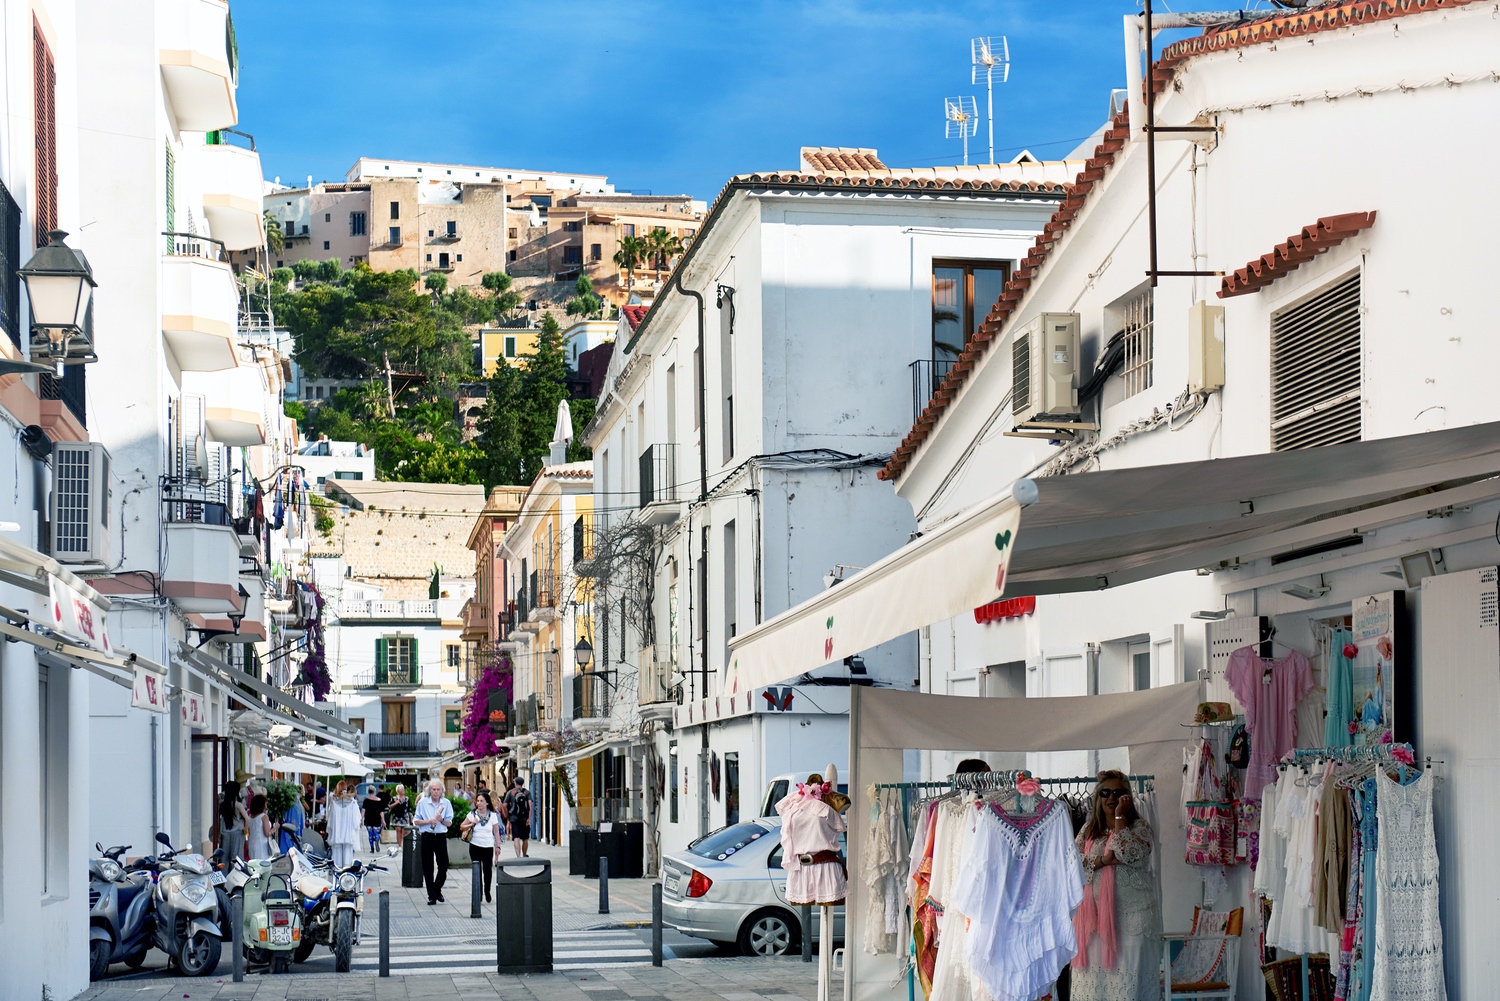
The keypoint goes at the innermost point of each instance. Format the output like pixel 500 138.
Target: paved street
pixel 440 951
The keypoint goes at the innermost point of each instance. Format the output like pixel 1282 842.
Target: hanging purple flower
pixel 477 738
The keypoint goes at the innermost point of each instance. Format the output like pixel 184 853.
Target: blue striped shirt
pixel 428 810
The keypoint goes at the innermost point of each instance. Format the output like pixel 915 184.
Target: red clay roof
pixel 822 159
pixel 1212 40
pixel 634 314
pixel 1284 258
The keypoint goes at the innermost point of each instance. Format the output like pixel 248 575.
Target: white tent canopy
pixel 1103 529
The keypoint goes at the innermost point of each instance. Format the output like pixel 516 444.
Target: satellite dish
pixel 200 456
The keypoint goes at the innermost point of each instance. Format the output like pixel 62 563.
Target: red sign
pixel 1010 608
pixel 395 764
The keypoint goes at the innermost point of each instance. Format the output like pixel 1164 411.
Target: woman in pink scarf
pixel 1116 923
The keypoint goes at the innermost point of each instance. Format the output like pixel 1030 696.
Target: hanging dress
pixel 809 826
pixel 1408 928
pixel 1269 690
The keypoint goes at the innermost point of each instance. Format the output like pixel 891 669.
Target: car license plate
pixel 281 936
pixel 217 877
pixel 673 882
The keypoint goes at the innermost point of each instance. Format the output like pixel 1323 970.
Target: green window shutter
pixel 416 664
pixel 380 661
pixel 171 199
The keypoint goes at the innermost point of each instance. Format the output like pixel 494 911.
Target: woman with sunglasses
pixel 1116 923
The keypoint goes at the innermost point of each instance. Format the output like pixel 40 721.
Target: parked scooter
pixel 188 926
pixel 333 901
pixel 273 919
pixel 121 915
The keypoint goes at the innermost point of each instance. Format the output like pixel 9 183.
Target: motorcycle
pixel 121 917
pixel 333 900
pixel 188 921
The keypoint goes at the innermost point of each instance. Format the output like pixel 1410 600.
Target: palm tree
pixel 275 238
pixel 630 255
pixel 662 246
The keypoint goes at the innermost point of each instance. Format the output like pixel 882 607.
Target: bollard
pixel 385 933
pixel 237 935
pixel 807 932
pixel 603 884
pixel 476 871
pixel 655 924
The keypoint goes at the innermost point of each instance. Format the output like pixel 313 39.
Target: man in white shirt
pixel 433 817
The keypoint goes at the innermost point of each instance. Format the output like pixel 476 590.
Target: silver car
pixel 729 887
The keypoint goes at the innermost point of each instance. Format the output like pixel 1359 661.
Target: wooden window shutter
pixel 416 665
pixel 44 90
pixel 380 661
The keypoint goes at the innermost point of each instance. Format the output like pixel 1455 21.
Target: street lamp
pixel 59 285
pixel 583 653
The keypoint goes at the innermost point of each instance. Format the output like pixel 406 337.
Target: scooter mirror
pixel 99 847
pixel 161 837
pixel 187 848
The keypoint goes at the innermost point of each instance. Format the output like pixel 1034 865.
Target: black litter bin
pixel 575 851
pixel 411 860
pixel 612 847
pixel 523 915
pixel 590 840
pixel 635 850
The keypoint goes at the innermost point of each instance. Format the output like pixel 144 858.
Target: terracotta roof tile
pixel 822 159
pixel 634 314
pixel 1298 249
pixel 1216 39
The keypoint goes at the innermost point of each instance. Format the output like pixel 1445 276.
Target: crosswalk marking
pixel 570 951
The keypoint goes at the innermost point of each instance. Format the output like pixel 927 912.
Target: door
pixel 398 717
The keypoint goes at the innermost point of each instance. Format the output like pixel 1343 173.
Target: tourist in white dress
pixel 343 825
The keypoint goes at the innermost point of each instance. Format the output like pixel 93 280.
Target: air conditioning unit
pixel 1044 370
pixel 80 502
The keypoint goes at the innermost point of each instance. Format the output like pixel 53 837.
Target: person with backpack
pixel 515 810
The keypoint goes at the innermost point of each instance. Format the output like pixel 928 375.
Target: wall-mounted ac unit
pixel 1044 370
pixel 80 502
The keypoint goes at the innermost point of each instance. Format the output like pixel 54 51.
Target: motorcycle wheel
pixel 198 956
pixel 99 950
pixel 281 962
pixel 304 948
pixel 343 941
pixel 135 959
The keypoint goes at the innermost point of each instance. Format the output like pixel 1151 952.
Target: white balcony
pixel 203 568
pixel 230 179
pixel 198 64
pixel 199 308
pixel 236 403
pixel 251 628
pixel 388 610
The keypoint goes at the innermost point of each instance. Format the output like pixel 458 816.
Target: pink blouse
pixel 1270 702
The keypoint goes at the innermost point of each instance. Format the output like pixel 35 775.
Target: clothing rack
pixel 980 781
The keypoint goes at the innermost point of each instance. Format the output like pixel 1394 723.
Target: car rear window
pixel 725 842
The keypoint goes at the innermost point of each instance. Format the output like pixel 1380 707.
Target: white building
pixel 335 460
pixel 1280 445
pixel 367 168
pixel 807 303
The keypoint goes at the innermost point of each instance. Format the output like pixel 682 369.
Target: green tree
pixel 499 427
pixel 630 255
pixel 281 278
pixel 305 270
pixel 498 283
pixel 275 238
pixel 329 270
pixel 585 302
pixel 436 282
pixel 661 247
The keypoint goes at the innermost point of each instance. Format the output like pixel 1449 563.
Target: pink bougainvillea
pixel 478 739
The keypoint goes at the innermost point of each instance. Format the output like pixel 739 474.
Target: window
pixel 44 89
pixel 458 257
pixel 10 260
pixel 572 227
pixel 398 716
pixel 722 844
pixel 395 210
pixel 1140 666
pixel 443 261
pixel 596 252
pixel 726 365
pixel 963 293
pixel 396 661
pixel 348 474
pixel 628 229
pixel 542 201
pixel 453 723
pixel 429 232
pixel 512 232
pixel 512 256
pixel 732 787
pixel 395 235
pixel 452 227
pixel 1135 315
pixel 731 599
pixel 572 255
pixel 429 258
pixel 356 224
pixel 328 217
pixel 452 655
pixel 325 245
pixel 672 799
pixel 510 347
pixel 358 722
pixel 1316 369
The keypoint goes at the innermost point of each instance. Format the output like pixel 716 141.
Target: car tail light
pixel 698 885
pixel 281 917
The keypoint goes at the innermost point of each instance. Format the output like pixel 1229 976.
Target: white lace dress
pixel 1408 927
pixel 1137 972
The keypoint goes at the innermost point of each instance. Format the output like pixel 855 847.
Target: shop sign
pixel 779 699
pixel 150 691
pixel 395 764
pixel 497 716
pixel 77 618
pixel 194 710
pixel 1377 629
pixel 1010 608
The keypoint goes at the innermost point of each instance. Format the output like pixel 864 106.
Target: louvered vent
pixel 80 502
pixel 1020 374
pixel 1315 370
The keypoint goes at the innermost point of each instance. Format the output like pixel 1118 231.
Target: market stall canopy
pixel 307 765
pixel 1096 530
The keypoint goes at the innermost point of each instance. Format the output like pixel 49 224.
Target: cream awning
pixel 292 711
pixel 1097 530
pixel 119 666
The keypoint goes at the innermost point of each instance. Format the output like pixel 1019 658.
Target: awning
pixel 306 765
pixel 25 567
pixel 351 759
pixel 119 666
pixel 297 713
pixel 1103 529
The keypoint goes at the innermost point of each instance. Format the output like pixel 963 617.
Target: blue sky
pixel 669 97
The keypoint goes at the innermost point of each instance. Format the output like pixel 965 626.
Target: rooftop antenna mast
pixel 991 58
pixel 963 120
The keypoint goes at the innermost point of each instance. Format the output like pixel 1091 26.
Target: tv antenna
pixel 991 59
pixel 963 120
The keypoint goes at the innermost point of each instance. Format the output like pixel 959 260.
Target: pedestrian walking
pixel 233 822
pixel 260 829
pixel 374 808
pixel 293 826
pixel 398 814
pixel 516 811
pixel 433 816
pixel 485 841
pixel 343 825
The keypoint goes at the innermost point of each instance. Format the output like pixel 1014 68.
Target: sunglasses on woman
pixel 1113 793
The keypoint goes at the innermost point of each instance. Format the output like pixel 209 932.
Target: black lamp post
pixel 59 285
pixel 583 653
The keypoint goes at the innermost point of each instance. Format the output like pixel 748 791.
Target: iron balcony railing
pixel 591 695
pixel 69 390
pixel 398 675
pixel 191 499
pixel 658 474
pixel 399 743
pixel 927 374
pixel 543 589
pixel 193 245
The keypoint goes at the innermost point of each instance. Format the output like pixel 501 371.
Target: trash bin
pixel 523 915
pixel 612 847
pixel 411 860
pixel 635 850
pixel 575 851
pixel 590 840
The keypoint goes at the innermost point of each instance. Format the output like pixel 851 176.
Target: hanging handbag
pixel 1210 834
pixel 1247 832
pixel 1238 755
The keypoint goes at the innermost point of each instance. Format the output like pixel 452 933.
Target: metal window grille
pixel 1316 370
pixel 10 261
pixel 1138 348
